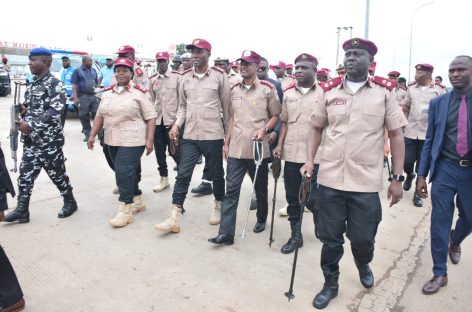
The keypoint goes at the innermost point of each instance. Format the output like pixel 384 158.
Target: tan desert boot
pixel 172 223
pixel 283 212
pixel 163 184
pixel 215 217
pixel 115 190
pixel 124 216
pixel 138 204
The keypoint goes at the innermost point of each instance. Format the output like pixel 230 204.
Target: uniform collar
pixel 207 73
pixel 127 87
pixel 254 84
pixel 313 86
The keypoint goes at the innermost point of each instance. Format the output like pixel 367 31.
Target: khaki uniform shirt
pixel 352 157
pixel 164 92
pixel 417 100
pixel 234 78
pixel 296 110
pixel 124 115
pixel 250 110
pixel 286 81
pixel 201 102
pixel 401 94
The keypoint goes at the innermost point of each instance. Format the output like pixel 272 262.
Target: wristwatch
pixel 396 177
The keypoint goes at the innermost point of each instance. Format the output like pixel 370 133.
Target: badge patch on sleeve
pixel 58 89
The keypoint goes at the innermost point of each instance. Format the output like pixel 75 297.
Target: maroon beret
pixel 322 72
pixel 394 73
pixel 279 64
pixel 305 57
pixel 199 43
pixel 250 57
pixel 425 67
pixel 234 64
pixel 123 61
pixel 125 49
pixel 162 56
pixel 289 66
pixel 358 43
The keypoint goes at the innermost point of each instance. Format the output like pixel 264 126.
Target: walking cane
pixel 258 153
pixel 276 167
pixel 303 196
pixel 389 171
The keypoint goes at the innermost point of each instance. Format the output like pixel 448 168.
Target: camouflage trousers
pixel 34 159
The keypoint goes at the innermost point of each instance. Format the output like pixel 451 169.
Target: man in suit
pixel 447 156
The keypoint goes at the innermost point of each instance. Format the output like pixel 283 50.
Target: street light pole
pixel 367 16
pixel 339 35
pixel 411 35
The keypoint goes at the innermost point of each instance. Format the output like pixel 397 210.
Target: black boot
pixel 21 212
pixel 329 291
pixel 365 275
pixel 295 239
pixel 203 189
pixel 408 180
pixel 70 205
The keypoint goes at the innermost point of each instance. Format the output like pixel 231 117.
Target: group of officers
pixel 332 132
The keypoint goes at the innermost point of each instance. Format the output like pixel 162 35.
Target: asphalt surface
pixel 83 264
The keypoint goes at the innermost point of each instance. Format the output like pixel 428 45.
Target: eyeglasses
pixel 262 68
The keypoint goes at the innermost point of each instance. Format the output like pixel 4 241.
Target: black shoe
pixel 366 276
pixel 329 291
pixel 417 201
pixel 203 189
pixel 200 160
pixel 253 205
pixel 20 213
pixel 408 180
pixel 70 206
pixel 259 227
pixel 85 139
pixel 291 245
pixel 222 239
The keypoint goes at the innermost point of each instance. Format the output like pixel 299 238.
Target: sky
pixel 277 30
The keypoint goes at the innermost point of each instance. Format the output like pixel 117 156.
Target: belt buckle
pixel 464 163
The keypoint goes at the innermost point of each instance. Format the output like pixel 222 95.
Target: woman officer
pixel 129 119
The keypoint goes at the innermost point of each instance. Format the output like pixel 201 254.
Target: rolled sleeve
pixel 319 114
pixel 394 117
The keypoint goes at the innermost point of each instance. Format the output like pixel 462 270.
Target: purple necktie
pixel 462 146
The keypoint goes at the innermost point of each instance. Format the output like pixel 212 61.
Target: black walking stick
pixel 276 167
pixel 303 196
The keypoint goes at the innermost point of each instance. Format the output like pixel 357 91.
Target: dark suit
pixel 448 179
pixel 6 185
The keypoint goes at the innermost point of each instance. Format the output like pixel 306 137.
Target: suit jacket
pixel 437 120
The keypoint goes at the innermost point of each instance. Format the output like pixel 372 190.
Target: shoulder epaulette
pixel 139 71
pixel 412 83
pixel 292 76
pixel 384 82
pixel 328 85
pixel 237 84
pixel 218 69
pixel 290 86
pixel 403 87
pixel 176 72
pixel 109 87
pixel 186 71
pixel 140 88
pixel 267 83
pixel 441 85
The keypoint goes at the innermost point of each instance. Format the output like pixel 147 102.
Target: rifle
pixel 15 109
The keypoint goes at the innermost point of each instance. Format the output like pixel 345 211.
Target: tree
pixel 180 48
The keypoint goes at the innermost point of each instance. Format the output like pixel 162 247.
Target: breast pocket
pixel 129 131
pixel 374 113
pixel 211 90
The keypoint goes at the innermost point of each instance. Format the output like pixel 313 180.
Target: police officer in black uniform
pixel 41 125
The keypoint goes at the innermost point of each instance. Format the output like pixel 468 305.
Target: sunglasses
pixel 263 68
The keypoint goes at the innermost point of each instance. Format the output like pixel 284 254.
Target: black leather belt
pixel 460 162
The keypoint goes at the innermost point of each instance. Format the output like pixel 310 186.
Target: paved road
pixel 82 264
